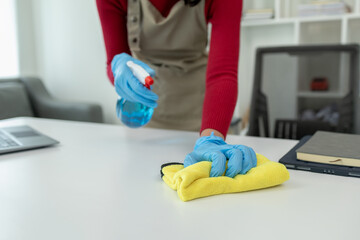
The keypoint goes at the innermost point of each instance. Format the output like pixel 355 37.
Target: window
pixel 9 64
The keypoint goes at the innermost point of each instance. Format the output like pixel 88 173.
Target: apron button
pixel 134 19
pixel 134 40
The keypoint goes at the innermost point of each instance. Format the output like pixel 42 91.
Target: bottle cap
pixel 149 81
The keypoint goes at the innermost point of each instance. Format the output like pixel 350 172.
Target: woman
pixel 196 91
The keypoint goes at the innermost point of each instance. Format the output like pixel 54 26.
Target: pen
pixel 140 73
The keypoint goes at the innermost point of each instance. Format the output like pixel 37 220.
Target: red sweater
pixel 221 76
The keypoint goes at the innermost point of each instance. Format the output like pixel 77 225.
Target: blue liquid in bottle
pixel 133 114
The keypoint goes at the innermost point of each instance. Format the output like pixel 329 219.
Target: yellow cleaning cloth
pixel 194 181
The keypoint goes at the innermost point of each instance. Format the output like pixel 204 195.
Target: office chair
pixel 295 76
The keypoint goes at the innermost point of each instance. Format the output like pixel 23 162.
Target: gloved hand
pixel 127 85
pixel 216 150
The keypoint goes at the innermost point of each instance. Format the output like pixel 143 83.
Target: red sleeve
pixel 112 15
pixel 221 76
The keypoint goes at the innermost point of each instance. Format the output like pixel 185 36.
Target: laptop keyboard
pixel 6 141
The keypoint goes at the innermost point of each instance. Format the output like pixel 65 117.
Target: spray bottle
pixel 134 114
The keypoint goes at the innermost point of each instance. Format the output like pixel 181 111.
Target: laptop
pixel 290 161
pixel 20 138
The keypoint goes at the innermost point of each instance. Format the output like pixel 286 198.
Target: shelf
pixel 324 94
pixel 266 22
pixel 321 18
pixel 287 28
pixel 352 16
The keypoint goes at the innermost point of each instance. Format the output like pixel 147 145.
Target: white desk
pixel 103 182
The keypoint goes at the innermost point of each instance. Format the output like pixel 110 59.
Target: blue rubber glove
pixel 216 150
pixel 127 85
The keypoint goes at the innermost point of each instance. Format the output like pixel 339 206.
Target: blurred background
pixel 60 41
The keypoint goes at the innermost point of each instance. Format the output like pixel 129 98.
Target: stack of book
pixel 321 8
pixel 326 152
pixel 331 148
pixel 258 14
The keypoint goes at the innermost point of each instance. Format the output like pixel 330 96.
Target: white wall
pixel 68 50
pixel 26 38
pixel 8 46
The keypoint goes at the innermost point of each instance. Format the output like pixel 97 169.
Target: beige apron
pixel 174 46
